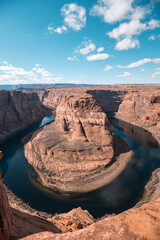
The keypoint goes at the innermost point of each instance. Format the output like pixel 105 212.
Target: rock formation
pixel 143 109
pixel 51 97
pixel 74 220
pixel 5 215
pixel 18 110
pixel 76 147
pixel 137 223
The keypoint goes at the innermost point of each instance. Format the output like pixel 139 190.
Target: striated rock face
pixel 51 98
pixel 143 109
pixel 109 100
pixel 5 215
pixel 136 223
pixel 73 220
pixel 78 145
pixel 84 120
pixel 18 110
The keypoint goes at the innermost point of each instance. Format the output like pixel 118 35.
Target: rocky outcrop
pixel 18 110
pixel 137 223
pixel 74 220
pixel 143 109
pixel 69 153
pixel 25 224
pixel 109 100
pixel 5 215
pixel 51 97
pixel 83 119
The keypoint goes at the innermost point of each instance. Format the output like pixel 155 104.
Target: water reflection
pixel 140 135
pixel 117 196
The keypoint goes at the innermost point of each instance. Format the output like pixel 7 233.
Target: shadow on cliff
pixel 25 224
pixel 107 99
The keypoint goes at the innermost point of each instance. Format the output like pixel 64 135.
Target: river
pixel 123 193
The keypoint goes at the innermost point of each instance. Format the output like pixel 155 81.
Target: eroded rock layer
pixel 142 108
pixel 137 223
pixel 74 220
pixel 78 144
pixel 18 110
pixel 5 215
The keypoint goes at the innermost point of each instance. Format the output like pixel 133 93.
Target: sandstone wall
pixel 5 215
pixel 137 223
pixel 18 110
pixel 143 107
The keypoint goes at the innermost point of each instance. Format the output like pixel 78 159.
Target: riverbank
pixel 152 129
pixel 20 204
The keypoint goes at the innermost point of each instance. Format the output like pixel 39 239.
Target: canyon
pixel 72 153
pixel 80 149
pixel 19 110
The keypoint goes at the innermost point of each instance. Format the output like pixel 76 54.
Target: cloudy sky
pixel 81 41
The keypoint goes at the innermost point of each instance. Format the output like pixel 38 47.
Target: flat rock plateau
pixel 80 146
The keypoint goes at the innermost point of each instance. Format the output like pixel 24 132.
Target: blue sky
pixel 83 41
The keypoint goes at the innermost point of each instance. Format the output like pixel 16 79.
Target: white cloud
pixel 152 24
pixel 126 32
pixel 141 62
pixel 98 56
pixel 86 47
pixel 151 38
pixel 100 49
pixel 74 18
pixel 74 58
pixel 142 69
pixel 15 75
pixel 126 74
pixel 42 71
pixel 59 30
pixel 107 68
pixel 156 75
pixel 126 44
pixel 112 10
pixel 15 72
pixel 158 69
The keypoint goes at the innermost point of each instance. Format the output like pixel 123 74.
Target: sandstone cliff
pixel 143 109
pixel 74 220
pixel 51 97
pixel 5 215
pixel 74 148
pixel 18 110
pixel 137 223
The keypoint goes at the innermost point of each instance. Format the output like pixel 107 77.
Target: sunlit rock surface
pixel 78 144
